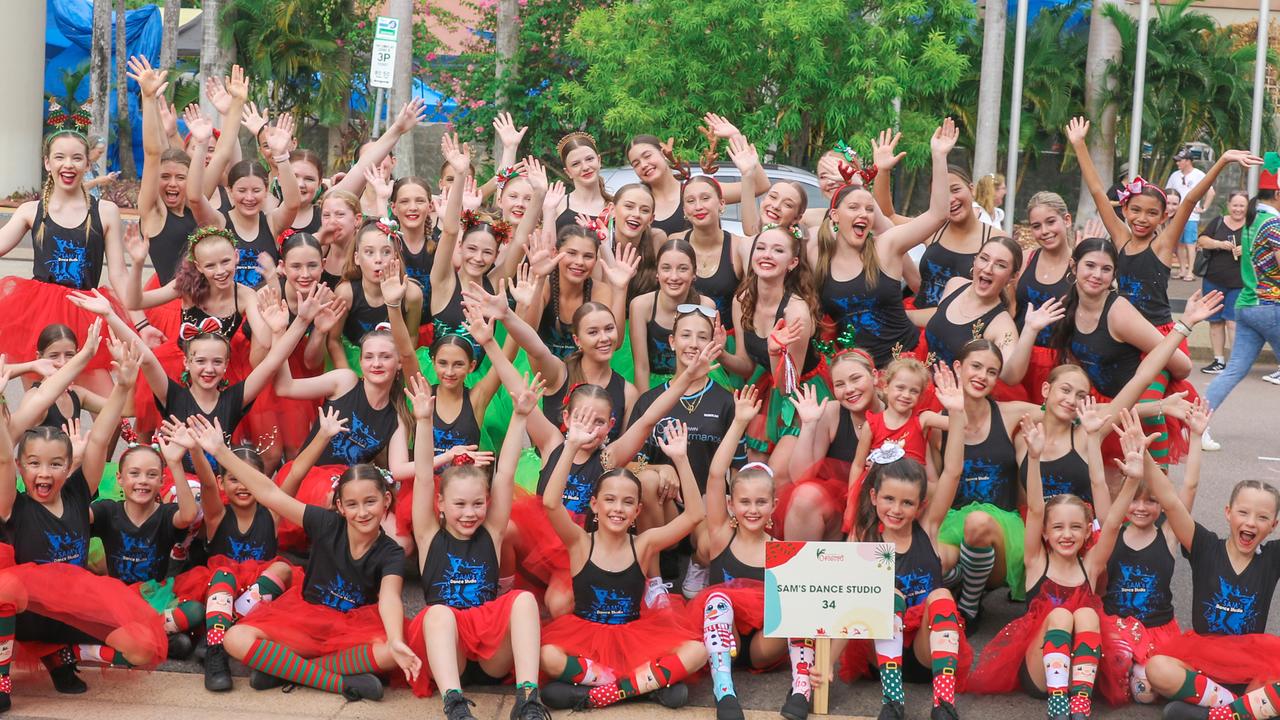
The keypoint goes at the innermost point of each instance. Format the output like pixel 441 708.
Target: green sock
pixel 352 661
pixel 183 617
pixel 279 661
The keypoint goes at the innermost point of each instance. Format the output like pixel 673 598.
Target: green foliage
pixel 1199 85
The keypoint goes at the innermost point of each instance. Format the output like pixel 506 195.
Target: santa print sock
pixel 1198 689
pixel 717 635
pixel 7 611
pixel 944 649
pixel 802 659
pixel 585 671
pixel 279 661
pixel 101 656
pixel 183 617
pixel 1258 704
pixel 264 589
pixel 352 661
pixel 667 671
pixel 975 566
pixel 1057 669
pixel 218 612
pixel 1084 670
pixel 889 657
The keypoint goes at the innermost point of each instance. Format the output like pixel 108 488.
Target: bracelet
pixel 143 323
pixel 1182 328
pixel 396 306
pixel 280 158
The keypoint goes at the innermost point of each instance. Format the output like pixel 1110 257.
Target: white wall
pixel 22 52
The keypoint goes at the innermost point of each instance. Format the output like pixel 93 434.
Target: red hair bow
pixel 189 330
pixel 1135 187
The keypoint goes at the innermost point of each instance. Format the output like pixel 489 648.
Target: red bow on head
pixel 1135 187
pixel 383 326
pixel 189 330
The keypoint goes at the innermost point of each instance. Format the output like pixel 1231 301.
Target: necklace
pixel 691 402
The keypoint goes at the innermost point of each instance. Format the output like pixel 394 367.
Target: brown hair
pixel 51 334
pixel 460 472
pixel 50 434
pixel 798 282
pixel 573 363
pixel 572 142
pixel 1258 485
pixel 867 525
pixel 1072 500
pixel 645 280
pixel 363 471
pixel 683 247
pixel 1009 292
pixel 827 240
pixel 397 382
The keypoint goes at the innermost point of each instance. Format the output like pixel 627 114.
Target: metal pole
pixel 1015 117
pixel 1139 88
pixel 1259 79
pixel 378 98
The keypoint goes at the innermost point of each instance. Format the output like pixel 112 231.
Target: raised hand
pixel 217 94
pixel 1033 434
pixel 523 285
pixel 393 284
pixel 252 120
pixel 487 303
pixel 472 198
pixel 527 400
pixel 624 267
pixel 674 439
pixel 409 117
pixel 331 314
pixel 237 85
pixel 1039 318
pixel 746 404
pixel 1093 228
pixel 947 389
pixel 808 407
pixel 478 326
pixel 508 134
pixel 456 153
pixel 581 422
pixel 199 126
pixel 883 150
pixel 1091 414
pixel 1134 443
pixel 945 137
pixel 178 433
pixel 1200 308
pixel 170 450
pixel 1243 157
pixel 535 174
pixel 91 301
pixel 551 201
pixel 380 184
pixel 126 359
pixel 743 154
pixel 209 435
pixel 420 397
pixel 280 134
pixel 79 438
pixel 783 336
pixel 168 117
pixel 92 338
pixel 1199 417
pixel 719 126
pixel 1077 130
pixel 150 81
pixel 311 304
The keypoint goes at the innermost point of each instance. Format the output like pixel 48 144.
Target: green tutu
pixel 1014 531
pixel 623 362
pixel 159 595
pixel 780 415
pixel 529 470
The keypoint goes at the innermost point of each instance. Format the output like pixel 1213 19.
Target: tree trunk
pixel 212 62
pixel 987 135
pixel 169 40
pixel 504 56
pixel 100 73
pixel 1104 46
pixel 124 128
pixel 337 131
pixel 402 85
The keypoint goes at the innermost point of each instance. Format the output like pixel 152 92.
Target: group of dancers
pixel 561 401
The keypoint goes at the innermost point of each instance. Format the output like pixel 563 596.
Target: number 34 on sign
pixel 828 590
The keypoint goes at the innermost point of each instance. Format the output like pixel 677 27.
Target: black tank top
pixel 990 472
pixel 918 571
pixel 370 430
pixel 582 479
pixel 1144 281
pixel 417 265
pixel 662 357
pixel 876 315
pixel 945 338
pixel 312 227
pixel 1056 590
pixel 1108 362
pixel 721 286
pixel 939 264
pixel 460 573
pixel 673 223
pixel 362 317
pixel 608 597
pixel 68 256
pixel 195 319
pixel 553 404
pixel 247 272
pixel 1031 291
pixel 464 430
pixel 1138 581
pixel 257 543
pixel 557 334
pixel 844 446
pixel 757 347
pixel 168 245
pixel 726 566
pixel 452 321
pixel 1065 475
pixel 54 418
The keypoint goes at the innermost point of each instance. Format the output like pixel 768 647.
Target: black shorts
pixel 30 626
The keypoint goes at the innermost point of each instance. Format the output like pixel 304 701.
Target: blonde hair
pixel 905 364
pixel 984 193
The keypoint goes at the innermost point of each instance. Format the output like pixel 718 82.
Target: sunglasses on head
pixel 690 308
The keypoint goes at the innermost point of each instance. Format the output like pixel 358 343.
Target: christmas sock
pixel 1084 670
pixel 7 611
pixel 1057 669
pixel 264 589
pixel 281 662
pixel 802 659
pixel 585 671
pixel 183 617
pixel 218 610
pixel 1259 704
pixel 889 657
pixel 975 568
pixel 100 656
pixel 944 649
pixel 352 661
pixel 1198 689
pixel 1159 449
pixel 666 671
pixel 58 658
pixel 717 635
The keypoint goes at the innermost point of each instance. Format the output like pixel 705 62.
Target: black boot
pixel 217 669
pixel 944 711
pixel 529 706
pixel 1179 710
pixel 796 707
pixel 180 646
pixel 565 696
pixel 893 711
pixel 672 696
pixel 458 707
pixel 364 686
pixel 728 708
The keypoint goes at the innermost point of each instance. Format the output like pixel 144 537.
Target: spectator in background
pixel 93 182
pixel 1183 179
pixel 988 199
pixel 1220 243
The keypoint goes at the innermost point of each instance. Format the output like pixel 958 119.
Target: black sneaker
pixel 457 706
pixel 259 680
pixel 5 702
pixel 565 696
pixel 529 707
pixel 66 681
pixel 728 708
pixel 1179 710
pixel 672 696
pixel 1214 368
pixel 972 625
pixel 365 686
pixel 180 646
pixel 217 669
pixel 944 711
pixel 796 707
pixel 893 711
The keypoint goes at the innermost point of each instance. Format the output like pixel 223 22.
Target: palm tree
pixel 1104 49
pixel 990 88
pixel 124 132
pixel 212 62
pixel 100 72
pixel 169 40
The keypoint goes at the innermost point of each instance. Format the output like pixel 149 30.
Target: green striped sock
pixel 352 661
pixel 279 661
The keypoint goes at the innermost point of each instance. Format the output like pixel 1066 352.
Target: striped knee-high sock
pixel 352 661
pixel 7 611
pixel 1057 669
pixel 1159 449
pixel 889 657
pixel 1198 689
pixel 1258 704
pixel 100 656
pixel 218 611
pixel 944 649
pixel 1084 670
pixel 975 566
pixel 279 661
pixel 183 617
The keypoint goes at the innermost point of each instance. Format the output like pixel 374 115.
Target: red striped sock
pixel 352 661
pixel 281 662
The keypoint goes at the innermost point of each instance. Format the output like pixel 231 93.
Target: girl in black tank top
pixel 874 319
pixel 168 245
pixel 939 264
pixel 376 279
pixel 361 315
pixel 249 249
pixel 453 362
pixel 1108 362
pixel 655 358
pixel 723 283
pixel 945 337
pixel 68 256
pixel 1067 474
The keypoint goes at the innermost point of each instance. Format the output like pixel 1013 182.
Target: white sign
pixel 828 590
pixel 382 63
pixel 386 29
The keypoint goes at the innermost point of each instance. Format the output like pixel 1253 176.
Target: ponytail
pixel 1060 340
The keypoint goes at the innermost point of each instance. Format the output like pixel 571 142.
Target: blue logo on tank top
pixel 243 550
pixel 1133 289
pixel 1231 610
pixel 1038 298
pixel 577 494
pixel 939 348
pixel 69 263
pixel 610 607
pixel 933 279
pixel 1135 591
pixel 446 439
pixel 356 445
pixel 981 480
pixel 1055 485
pixel 1091 362
pixel 915 586
pixel 465 584
pixel 342 595
pixel 138 559
pixel 664 360
pixel 247 272
pixel 66 548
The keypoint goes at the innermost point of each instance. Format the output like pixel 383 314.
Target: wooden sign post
pixel 828 591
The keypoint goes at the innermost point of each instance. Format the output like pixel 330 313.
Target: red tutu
pixel 192 584
pixel 1043 361
pixel 172 359
pixel 288 420
pixel 316 489
pixel 540 551
pixel 747 599
pixel 1184 346
pixel 1228 659
pixel 481 633
pixel 96 605
pixel 859 656
pixel 622 648
pixel 314 630
pixel 1132 642
pixel 1004 392
pixel 166 318
pixel 33 305
pixel 1179 441
pixel 997 669
pixel 829 478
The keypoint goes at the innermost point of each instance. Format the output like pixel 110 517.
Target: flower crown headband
pixel 501 229
pixel 130 436
pixel 208 231
pixel 504 176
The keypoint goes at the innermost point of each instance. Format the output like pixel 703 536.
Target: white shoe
pixel 656 596
pixel 1273 378
pixel 1208 444
pixel 695 578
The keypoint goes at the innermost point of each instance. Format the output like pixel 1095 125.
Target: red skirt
pixel 859 656
pixel 1131 642
pixel 314 630
pixel 540 551
pixel 1043 361
pixel 747 599
pixel 316 489
pixel 998 667
pixel 1229 659
pixel 33 305
pixel 482 631
pixel 1179 441
pixel 173 360
pixel 166 318
pixel 622 648
pixel 287 420
pixel 192 584
pixel 829 477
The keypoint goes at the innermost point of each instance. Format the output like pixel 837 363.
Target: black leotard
pixel 362 317
pixel 168 245
pixel 726 567
pixel 370 429
pixel 608 597
pixel 54 418
pixel 876 315
pixel 1033 292
pixel 939 264
pixel 68 256
pixel 722 284
pixel 463 430
pixel 945 338
pixel 247 272
pixel 757 346
pixel 1144 280
pixel 1064 475
pixel 990 473
pixel 553 404
pixel 1108 362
